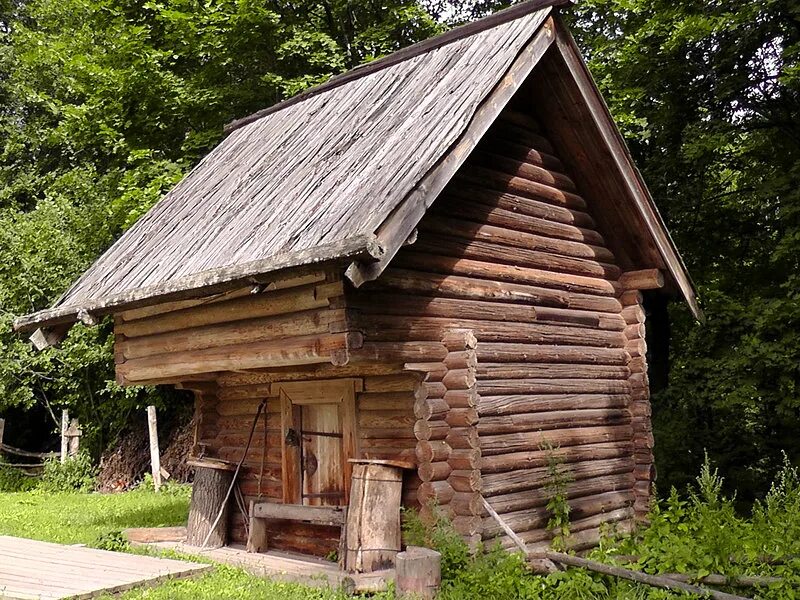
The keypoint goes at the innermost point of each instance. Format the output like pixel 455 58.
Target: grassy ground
pixel 97 519
pixel 86 518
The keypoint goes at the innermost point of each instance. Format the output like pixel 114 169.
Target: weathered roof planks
pixel 342 172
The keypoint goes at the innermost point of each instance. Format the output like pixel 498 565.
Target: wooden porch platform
pixel 31 569
pixel 286 566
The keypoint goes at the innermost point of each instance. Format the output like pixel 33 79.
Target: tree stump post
pixel 211 482
pixel 418 573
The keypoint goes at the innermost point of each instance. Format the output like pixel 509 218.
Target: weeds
pixel 77 474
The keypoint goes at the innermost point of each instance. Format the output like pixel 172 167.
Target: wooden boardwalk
pixel 40 570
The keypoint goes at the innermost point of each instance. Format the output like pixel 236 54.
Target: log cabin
pixel 421 282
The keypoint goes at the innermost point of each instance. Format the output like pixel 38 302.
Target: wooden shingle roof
pixel 343 171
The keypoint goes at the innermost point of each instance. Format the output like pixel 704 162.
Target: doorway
pixel 318 427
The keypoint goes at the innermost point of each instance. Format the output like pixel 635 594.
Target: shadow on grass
pixel 167 513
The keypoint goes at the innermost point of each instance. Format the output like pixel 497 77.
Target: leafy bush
pixel 111 540
pixel 14 480
pixel 77 474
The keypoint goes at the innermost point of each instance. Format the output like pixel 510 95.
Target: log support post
pixel 644 470
pixel 418 573
pixel 211 482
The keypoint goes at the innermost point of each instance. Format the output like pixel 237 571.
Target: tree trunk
pixel 208 492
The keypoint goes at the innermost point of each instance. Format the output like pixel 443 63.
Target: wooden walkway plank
pixel 43 570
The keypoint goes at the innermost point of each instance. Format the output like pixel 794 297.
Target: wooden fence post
pixel 155 457
pixel 73 438
pixel 64 438
pixel 2 430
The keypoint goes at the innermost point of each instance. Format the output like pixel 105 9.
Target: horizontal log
pixel 461 417
pixel 434 243
pixel 502 387
pixel 496 179
pixel 464 188
pixel 524 404
pixel 430 372
pixel 455 286
pixel 440 492
pixel 291 351
pixel 462 398
pixel 434 389
pixel 400 352
pixel 423 261
pixel 430 408
pixel 507 129
pixel 401 382
pixel 541 457
pixel 386 401
pixel 580 508
pixel 465 459
pixel 432 451
pixel 486 158
pixel 431 430
pixel 478 209
pixel 465 481
pixel 527 479
pixel 646 279
pixel 492 352
pixel 435 471
pixel 631 297
pixel 422 328
pixel 519 119
pixel 543 421
pixel 473 230
pixel 265 304
pixel 538 497
pixel 466 525
pixel 463 438
pixel 459 379
pixel 467 503
pixel 386 419
pixel 633 314
pixel 165 307
pixel 585 533
pixel 550 371
pixel 463 359
pixel 507 443
pixel 378 436
pixel 311 322
pixel 246 392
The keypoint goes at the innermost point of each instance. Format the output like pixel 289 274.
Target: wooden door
pixel 322 455
pixel 318 423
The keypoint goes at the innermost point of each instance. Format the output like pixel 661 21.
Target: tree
pixel 708 96
pixel 105 105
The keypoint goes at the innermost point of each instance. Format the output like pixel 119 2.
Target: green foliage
pixel 557 504
pixel 708 97
pixel 113 541
pixel 14 480
pixel 76 474
pixel 104 106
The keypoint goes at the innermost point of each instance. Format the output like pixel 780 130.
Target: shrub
pixel 77 474
pixel 14 480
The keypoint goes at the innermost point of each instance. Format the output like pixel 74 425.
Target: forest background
pixel 106 104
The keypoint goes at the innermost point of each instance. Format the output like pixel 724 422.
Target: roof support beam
pixel 400 224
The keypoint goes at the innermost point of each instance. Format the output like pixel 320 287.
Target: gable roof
pixel 343 171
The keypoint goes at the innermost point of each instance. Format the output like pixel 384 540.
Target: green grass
pixel 72 518
pixel 83 518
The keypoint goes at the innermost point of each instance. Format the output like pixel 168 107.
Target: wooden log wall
pixel 287 320
pixel 385 412
pixel 511 253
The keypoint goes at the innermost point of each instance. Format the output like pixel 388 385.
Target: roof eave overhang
pixel 50 325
